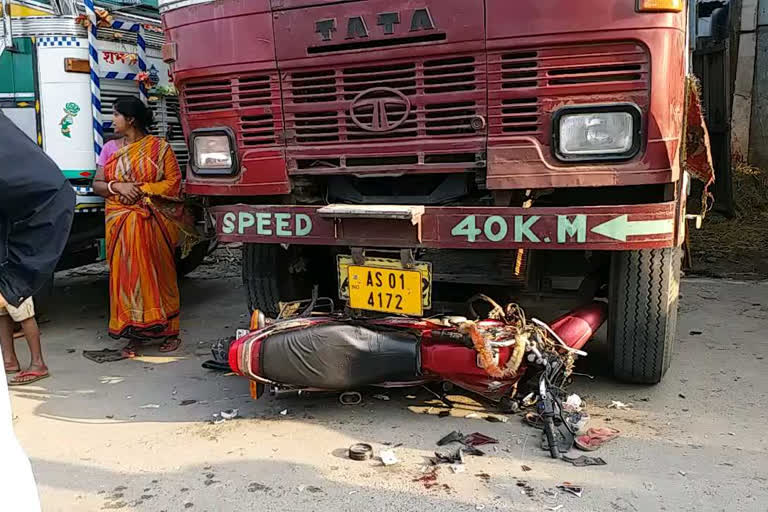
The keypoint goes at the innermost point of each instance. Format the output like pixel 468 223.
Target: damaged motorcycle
pixel 312 347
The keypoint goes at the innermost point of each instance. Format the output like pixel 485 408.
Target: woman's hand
pixel 129 193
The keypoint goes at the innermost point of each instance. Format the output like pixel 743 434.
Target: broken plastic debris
pixel 230 414
pixel 496 419
pixel 615 404
pixel 556 508
pixel 150 406
pixel 682 473
pixel 573 403
pixel 451 457
pixel 458 468
pixel 384 398
pixel 284 412
pixel 453 437
pixel 571 489
pixel 388 457
pixel 585 461
pixel 578 422
pixel 472 415
pixel 477 439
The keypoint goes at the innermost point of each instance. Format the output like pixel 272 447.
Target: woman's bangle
pixel 109 187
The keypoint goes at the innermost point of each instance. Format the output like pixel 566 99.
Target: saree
pixel 141 241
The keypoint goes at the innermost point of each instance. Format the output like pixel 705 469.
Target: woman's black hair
pixel 130 106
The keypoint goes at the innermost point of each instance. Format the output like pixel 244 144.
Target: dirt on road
pixel 137 435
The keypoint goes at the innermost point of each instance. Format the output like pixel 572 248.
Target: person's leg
pixel 25 315
pixel 6 340
pixel 32 333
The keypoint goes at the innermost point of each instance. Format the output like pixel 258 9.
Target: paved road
pixel 116 437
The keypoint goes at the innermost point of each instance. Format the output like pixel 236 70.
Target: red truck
pixel 381 148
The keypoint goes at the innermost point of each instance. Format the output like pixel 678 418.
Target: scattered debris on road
pixel 583 461
pixel 478 439
pixel 615 404
pixel 388 458
pixel 383 398
pixel 104 356
pixel 569 488
pixel 230 414
pixel 360 451
pixel 573 403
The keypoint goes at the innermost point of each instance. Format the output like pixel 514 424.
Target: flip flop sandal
pixel 595 438
pixel 170 345
pixel 36 377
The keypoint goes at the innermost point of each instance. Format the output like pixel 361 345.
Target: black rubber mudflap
pixel 261 277
pixel 643 314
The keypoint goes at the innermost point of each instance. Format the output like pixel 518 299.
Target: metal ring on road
pixel 360 451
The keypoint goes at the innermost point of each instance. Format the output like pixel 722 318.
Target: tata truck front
pixel 383 148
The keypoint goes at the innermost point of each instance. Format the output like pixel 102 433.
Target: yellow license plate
pixel 385 290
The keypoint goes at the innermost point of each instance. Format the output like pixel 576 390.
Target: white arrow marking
pixel 621 227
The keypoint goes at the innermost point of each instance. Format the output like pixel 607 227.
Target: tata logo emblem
pixel 357 26
pixel 380 109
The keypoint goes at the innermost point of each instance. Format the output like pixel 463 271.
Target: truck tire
pixel 272 275
pixel 644 290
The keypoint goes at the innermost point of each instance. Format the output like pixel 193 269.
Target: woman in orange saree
pixel 145 221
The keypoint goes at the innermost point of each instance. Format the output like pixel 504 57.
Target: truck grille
pixel 253 97
pixel 445 95
pixel 520 81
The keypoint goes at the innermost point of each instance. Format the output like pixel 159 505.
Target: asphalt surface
pixel 127 436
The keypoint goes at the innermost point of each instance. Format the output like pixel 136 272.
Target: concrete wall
pixel 745 75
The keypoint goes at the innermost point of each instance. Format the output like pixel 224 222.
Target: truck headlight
pixel 213 152
pixel 610 132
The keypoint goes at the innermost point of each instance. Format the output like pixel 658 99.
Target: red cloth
pixel 698 151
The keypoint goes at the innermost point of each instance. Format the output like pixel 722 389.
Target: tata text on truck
pixel 46 89
pixel 385 147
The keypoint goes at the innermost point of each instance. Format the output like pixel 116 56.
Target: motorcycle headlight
pixel 213 152
pixel 609 132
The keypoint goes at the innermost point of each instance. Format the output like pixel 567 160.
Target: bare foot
pixel 12 366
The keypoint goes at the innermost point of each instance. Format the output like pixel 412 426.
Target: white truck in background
pixel 45 88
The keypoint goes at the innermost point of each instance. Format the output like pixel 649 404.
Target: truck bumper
pixel 627 227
